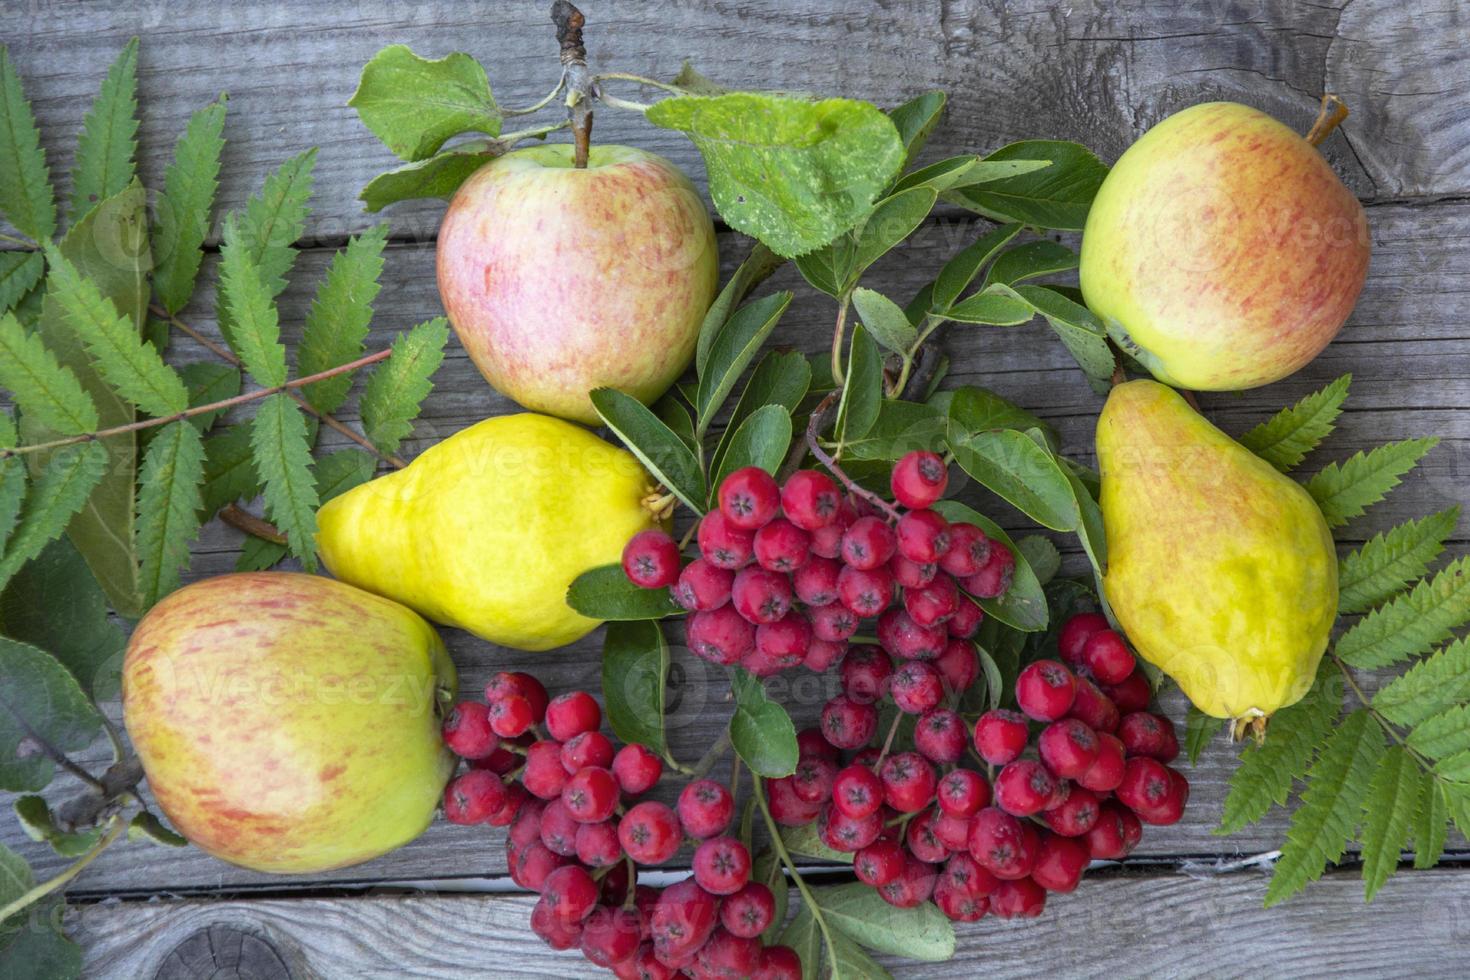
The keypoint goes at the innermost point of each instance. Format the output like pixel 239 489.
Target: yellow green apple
pixel 1222 251
pixel 559 280
pixel 289 723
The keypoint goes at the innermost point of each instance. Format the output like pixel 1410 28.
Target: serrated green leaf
pixel 19 273
pixel 1382 567
pixel 957 274
pixel 39 699
pixel 974 409
pixel 13 483
pixel 761 730
pixel 1430 826
pixel 247 313
pixel 996 305
pixel 439 176
pixel 57 493
pixel 884 320
pixel 732 350
pixel 755 269
pixel 1285 438
pixel 1392 797
pixel 1411 623
pixel 104 160
pixel 43 387
pixel 635 667
pixel 915 120
pixel 276 217
pixel 1266 772
pixel 847 961
pixel 229 468
pixel 1331 805
pixel 1444 734
pixel 282 454
pixel 803 936
pixel 25 182
pixel 1031 260
pixel 918 933
pixel 605 593
pixel 338 472
pixel 862 390
pixel 1024 605
pixel 182 214
pixel 209 382
pixel 258 554
pixel 761 440
pixel 1057 196
pixel 1043 557
pixel 337 325
pixel 1345 491
pixel 396 389
pixel 132 366
pixel 792 173
pixel 168 507
pixel 781 378
pixel 1427 688
pixel 414 105
pixel 664 454
pixel 1026 475
pixel 1199 728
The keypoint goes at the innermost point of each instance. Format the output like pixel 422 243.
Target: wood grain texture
pixel 1092 71
pixel 1157 926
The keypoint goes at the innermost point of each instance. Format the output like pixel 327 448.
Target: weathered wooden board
pixel 1113 925
pixel 1091 71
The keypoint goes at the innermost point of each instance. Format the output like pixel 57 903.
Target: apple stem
pixel 1329 117
pixel 580 87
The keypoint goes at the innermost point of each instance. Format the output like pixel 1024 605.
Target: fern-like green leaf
pixel 229 469
pixel 1393 796
pixel 45 389
pixel 276 217
pixel 209 382
pixel 1346 490
pixel 168 507
pixel 1431 824
pixel 1444 734
pixel 25 182
pixel 1456 797
pixel 248 311
pixel 131 365
pixel 19 273
pixel 1432 685
pixel 399 385
pixel 258 554
pixel 13 482
pixel 338 472
pixel 1331 805
pixel 1285 439
pixel 104 163
pixel 283 459
pixel 1411 623
pixel 1383 566
pixel 1266 772
pixel 54 498
pixel 338 322
pixel 182 220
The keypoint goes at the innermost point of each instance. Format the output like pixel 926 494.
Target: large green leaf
pixel 755 269
pixel 957 274
pixel 39 699
pixel 915 120
pixel 635 667
pixel 1025 474
pixel 1031 260
pixel 1057 196
pixel 781 378
pixel 974 409
pixel 918 933
pixel 414 105
pixel 899 428
pixel 104 160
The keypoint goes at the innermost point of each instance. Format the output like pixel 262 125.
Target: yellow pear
pixel 487 529
pixel 1220 569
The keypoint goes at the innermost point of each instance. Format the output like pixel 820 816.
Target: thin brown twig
pixel 813 429
pixel 580 87
pixel 240 518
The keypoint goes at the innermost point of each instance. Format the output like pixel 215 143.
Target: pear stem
pixel 1329 117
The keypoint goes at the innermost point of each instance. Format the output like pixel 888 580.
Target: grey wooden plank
pixel 1157 926
pixel 1092 71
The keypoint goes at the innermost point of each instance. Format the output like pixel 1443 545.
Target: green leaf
pixel 25 183
pixel 884 320
pixel 1265 773
pixel 806 840
pixel 961 270
pixel 900 428
pixel 635 667
pixel 996 305
pixel 40 951
pixel 229 468
pixel 39 824
pixel 168 507
pixel 13 483
pixel 754 270
pixel 605 593
pixel 19 273
pixel 891 221
pixel 56 495
pixel 104 160
pixel 146 827
pixel 781 378
pixel 939 176
pixel 1285 439
pixel 132 366
pixel 282 452
pixel 1023 606
pixel 1345 491
pixel 1057 196
pixel 1023 473
pixel 1199 728
pixel 1429 687
pixel 1411 623
pixel 1444 734
pixel 915 120
pixel 39 699
pixel 761 440
pixel 439 176
pixel 1392 798
pixel 276 217
pixel 761 730
pixel 258 554
pixel 1430 819
pixel 995 687
pixel 1091 531
pixel 849 962
pixel 1331 805
pixel 209 382
pixel 1043 557
pixel 44 388
pixel 803 936
pixel 182 215
pixel 414 105
pixel 1079 329
pixel 974 409
pixel 664 454
pixel 732 350
pixel 862 391
pixel 767 869
pixel 248 315
pixel 1382 567
pixel 792 173
pixel 337 325
pixel 919 933
pixel 338 472
pixel 396 389
pixel 1030 261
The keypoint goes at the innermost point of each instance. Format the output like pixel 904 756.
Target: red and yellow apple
pixel 1222 251
pixel 288 723
pixel 560 280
